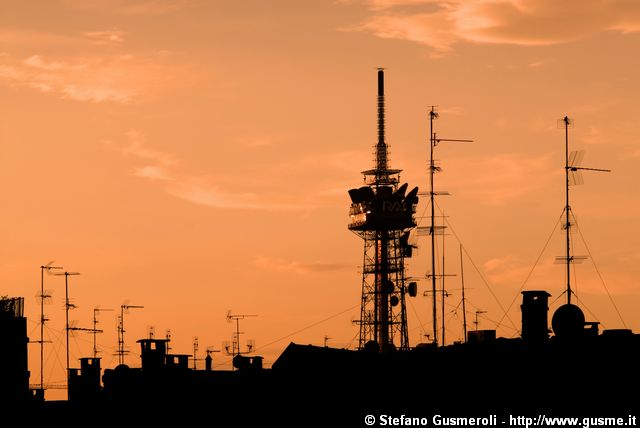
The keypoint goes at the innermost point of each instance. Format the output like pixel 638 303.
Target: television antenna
pixel 67 306
pixel 235 344
pixel 476 322
pixel 43 296
pixel 434 230
pixel 573 176
pixel 96 311
pixel 124 309
pixel 195 352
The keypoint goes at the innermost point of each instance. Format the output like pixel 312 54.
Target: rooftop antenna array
pixel 573 176
pixel 67 306
pixel 382 214
pixel 96 311
pixel 233 349
pixel 433 229
pixel 121 344
pixel 43 296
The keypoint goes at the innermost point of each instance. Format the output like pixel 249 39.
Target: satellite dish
pixel 394 300
pixel 413 289
pixel 390 287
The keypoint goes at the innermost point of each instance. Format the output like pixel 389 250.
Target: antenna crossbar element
pixel 436 193
pixel 452 140
pixel 211 349
pixel 431 230
pixel 437 275
pixel 89 330
pixel 573 259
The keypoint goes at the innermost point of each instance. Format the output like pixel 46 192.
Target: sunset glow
pixel 194 157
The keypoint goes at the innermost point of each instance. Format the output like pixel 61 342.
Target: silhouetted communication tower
pixel 382 214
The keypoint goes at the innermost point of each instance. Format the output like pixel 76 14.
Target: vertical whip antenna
pixel 381 147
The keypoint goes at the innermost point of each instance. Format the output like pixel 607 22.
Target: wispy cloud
pixel 20 38
pixel 152 172
pixel 130 7
pixel 498 179
pixel 203 189
pixel 137 147
pixel 94 66
pixel 506 271
pixel 266 140
pixel 112 78
pixel 453 110
pixel 442 24
pixel 537 64
pixel 281 265
pixel 594 135
pixel 105 37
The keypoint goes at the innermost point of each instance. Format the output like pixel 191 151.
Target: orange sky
pixel 194 157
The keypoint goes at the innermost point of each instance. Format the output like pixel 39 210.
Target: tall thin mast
pixel 443 277
pixel 42 321
pixel 67 306
pixel 567 208
pixel 43 318
pixel 573 176
pixel 464 307
pixel 432 142
pixel 96 330
pixel 121 344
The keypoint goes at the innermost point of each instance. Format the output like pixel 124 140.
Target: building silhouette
pixel 14 371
